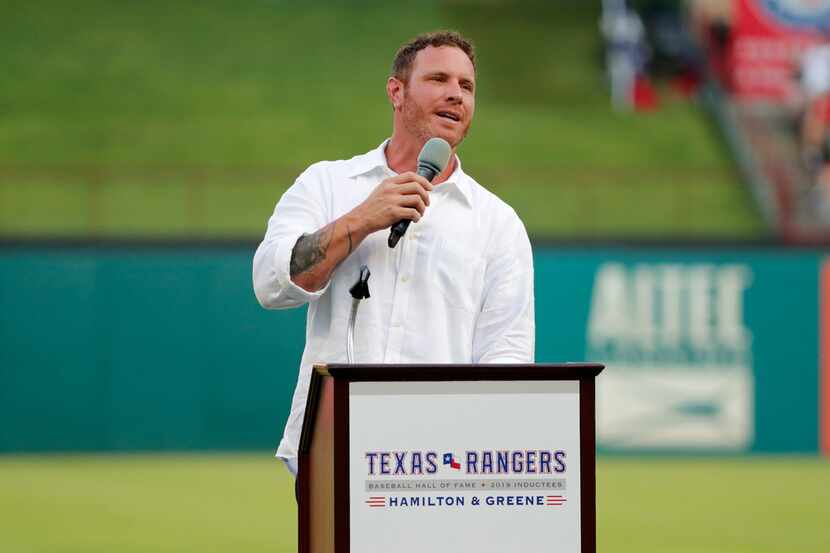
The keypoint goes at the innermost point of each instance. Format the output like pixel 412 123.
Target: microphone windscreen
pixel 435 154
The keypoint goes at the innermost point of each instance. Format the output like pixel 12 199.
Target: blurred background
pixel 669 159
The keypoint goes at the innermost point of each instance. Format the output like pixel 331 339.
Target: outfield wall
pixel 713 350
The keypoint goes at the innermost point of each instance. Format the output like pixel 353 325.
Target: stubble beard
pixel 416 123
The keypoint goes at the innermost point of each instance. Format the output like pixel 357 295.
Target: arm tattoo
pixel 310 250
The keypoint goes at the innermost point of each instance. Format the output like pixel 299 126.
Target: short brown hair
pixel 402 66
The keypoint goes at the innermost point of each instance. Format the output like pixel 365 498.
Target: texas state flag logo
pixel 449 459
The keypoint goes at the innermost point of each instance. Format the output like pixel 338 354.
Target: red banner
pixel 769 37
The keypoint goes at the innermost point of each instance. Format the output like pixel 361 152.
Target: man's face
pixel 439 99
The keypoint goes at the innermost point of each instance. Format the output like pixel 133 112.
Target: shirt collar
pixel 376 159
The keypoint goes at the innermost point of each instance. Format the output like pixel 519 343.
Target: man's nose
pixel 453 91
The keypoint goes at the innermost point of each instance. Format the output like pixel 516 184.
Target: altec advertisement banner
pixel 461 457
pixel 768 40
pixel 682 355
pixel 715 351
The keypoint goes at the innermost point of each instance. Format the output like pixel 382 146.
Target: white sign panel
pixel 483 467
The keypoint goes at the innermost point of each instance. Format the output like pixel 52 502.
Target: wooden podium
pixel 448 458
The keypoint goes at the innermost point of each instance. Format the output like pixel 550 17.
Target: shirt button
pixel 405 278
pixel 396 324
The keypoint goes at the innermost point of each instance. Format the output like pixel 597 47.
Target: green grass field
pixel 185 118
pixel 244 503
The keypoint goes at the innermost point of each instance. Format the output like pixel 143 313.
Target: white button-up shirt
pixel 458 288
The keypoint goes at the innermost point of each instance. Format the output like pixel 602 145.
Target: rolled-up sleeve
pixel 505 330
pixel 301 210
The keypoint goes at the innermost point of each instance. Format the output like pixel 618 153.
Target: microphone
pixel 432 160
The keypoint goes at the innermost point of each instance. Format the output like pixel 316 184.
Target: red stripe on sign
pixel 824 356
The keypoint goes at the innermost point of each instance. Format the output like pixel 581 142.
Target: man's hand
pixel 404 196
pixel 315 256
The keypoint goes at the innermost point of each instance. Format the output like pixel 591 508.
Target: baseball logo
pixel 801 14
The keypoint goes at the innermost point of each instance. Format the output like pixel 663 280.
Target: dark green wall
pixel 140 349
pixel 150 348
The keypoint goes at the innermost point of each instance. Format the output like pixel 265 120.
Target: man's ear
pixel 394 90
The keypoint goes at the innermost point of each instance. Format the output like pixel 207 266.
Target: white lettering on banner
pixel 679 355
pixel 763 76
pixel 668 311
pixel 759 49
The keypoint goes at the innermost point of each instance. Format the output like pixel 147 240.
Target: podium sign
pixel 440 465
pixel 455 458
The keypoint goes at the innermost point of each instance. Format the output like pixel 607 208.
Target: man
pixel 458 288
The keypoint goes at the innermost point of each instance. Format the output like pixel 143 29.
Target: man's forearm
pixel 315 256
